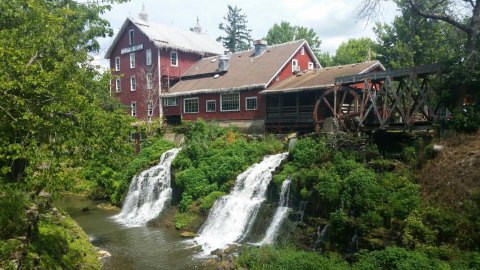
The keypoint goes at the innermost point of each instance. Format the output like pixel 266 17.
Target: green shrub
pixel 309 152
pixel 288 258
pixel 397 258
pixel 207 202
pixel 13 220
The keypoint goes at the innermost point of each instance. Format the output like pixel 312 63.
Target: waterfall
pixel 320 238
pixel 280 214
pixel 231 216
pixel 148 193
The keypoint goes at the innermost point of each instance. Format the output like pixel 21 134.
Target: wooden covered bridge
pixel 378 99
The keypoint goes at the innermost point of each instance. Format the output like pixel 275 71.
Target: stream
pixel 130 248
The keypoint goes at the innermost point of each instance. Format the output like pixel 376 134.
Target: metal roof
pixel 245 71
pixel 322 78
pixel 164 36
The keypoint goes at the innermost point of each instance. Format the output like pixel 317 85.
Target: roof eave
pixel 295 89
pixel 214 91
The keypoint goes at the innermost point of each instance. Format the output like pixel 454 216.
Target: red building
pixel 148 58
pixel 226 88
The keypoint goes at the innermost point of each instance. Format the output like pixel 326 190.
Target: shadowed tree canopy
pixel 55 106
pixel 355 51
pixel 285 32
pixel 461 14
pixel 237 35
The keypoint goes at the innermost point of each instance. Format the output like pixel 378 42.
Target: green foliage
pixel 309 152
pixel 237 35
pixel 466 119
pixel 61 244
pixel 12 216
pixel 183 220
pixel 210 161
pixel 207 202
pixel 286 32
pixel 355 51
pixel 397 258
pixel 288 258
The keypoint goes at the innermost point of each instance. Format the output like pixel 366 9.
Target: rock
pixel 107 206
pixel 102 254
pixel 216 252
pixel 230 249
pixel 187 234
pixel 85 209
pixel 438 148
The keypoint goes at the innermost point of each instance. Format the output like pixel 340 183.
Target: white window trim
pixel 148 57
pixel 302 51
pixel 176 62
pixel 133 108
pixel 294 65
pixel 310 66
pixel 118 85
pixel 206 105
pixel 256 104
pixel 150 108
pixel 149 81
pixel 221 102
pixel 131 37
pixel 132 60
pixel 165 103
pixel 198 107
pixel 133 86
pixel 117 63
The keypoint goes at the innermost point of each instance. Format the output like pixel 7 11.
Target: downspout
pixel 160 100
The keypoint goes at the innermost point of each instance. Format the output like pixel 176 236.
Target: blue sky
pixel 333 20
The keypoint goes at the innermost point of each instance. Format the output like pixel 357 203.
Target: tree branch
pixel 440 17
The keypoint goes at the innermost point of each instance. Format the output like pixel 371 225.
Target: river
pixel 130 248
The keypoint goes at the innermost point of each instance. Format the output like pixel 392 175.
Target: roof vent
pixel 260 47
pixel 223 62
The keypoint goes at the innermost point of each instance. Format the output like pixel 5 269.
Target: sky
pixel 332 20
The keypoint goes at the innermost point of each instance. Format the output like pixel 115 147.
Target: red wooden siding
pixel 302 62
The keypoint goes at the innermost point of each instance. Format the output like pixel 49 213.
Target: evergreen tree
pixel 237 35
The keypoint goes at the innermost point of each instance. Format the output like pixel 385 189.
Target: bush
pixel 309 152
pixel 397 258
pixel 288 258
pixel 13 220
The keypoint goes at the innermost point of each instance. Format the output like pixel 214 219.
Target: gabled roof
pixel 245 71
pixel 323 78
pixel 164 36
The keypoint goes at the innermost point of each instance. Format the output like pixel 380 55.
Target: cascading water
pixel 280 214
pixel 232 215
pixel 320 238
pixel 148 193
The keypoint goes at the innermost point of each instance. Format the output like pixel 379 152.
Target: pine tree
pixel 237 35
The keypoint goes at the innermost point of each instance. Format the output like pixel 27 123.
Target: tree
pixel 56 108
pixel 237 35
pixel 464 15
pixel 355 51
pixel 285 32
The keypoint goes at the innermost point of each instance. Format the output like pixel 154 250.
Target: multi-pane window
pixel 150 108
pixel 133 83
pixel 170 101
pixel 303 51
pixel 190 105
pixel 211 106
pixel 230 102
pixel 149 57
pixel 117 63
pixel 310 65
pixel 118 85
pixel 133 108
pixel 132 60
pixel 294 65
pixel 174 58
pixel 149 81
pixel 251 103
pixel 130 37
